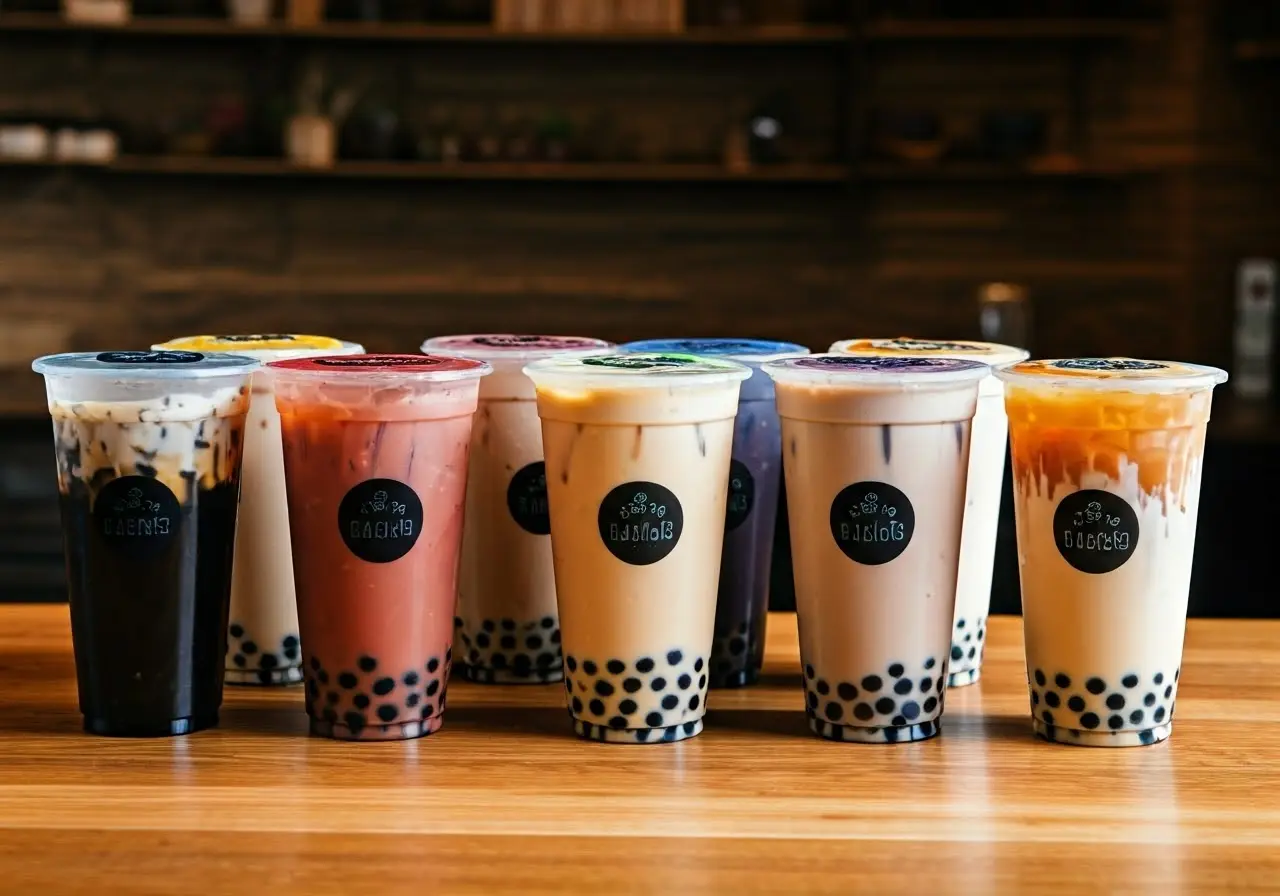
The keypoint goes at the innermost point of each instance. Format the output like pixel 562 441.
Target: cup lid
pixel 753 350
pixel 429 368
pixel 144 365
pixel 265 346
pixel 894 372
pixel 513 346
pixel 622 370
pixel 992 353
pixel 1112 375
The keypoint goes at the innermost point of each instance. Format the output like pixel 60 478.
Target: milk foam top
pixel 752 352
pixel 509 353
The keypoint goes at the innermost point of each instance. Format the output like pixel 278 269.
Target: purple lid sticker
pixel 518 342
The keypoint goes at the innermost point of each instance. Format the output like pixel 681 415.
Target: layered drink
pixel 507 627
pixel 637 451
pixel 983 490
pixel 1107 456
pixel 751 507
pixel 149 448
pixel 263 643
pixel 375 460
pixel 876 453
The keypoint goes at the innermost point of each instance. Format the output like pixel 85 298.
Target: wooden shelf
pixel 166 26
pixel 1013 29
pixel 1058 168
pixel 1258 49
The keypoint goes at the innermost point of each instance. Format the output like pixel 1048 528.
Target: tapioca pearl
pixel 898 721
pixel 618 722
pixel 674 657
pixel 659 684
pixel 384 686
pixel 644 665
pixel 239 660
pixel 348 680
pixel 956 652
pixel 387 712
pixel 482 641
pixel 1159 714
pixel 546 660
pixel 604 688
pixel 702 682
pixel 654 720
pixel 1115 723
pixel 330 715
pixel 627 707
pixel 1035 698
pixel 1147 738
pixel 1039 677
pixel 596 706
pixel 498 661
pixel 911 710
pixel 1159 678
pixel 671 701
pixel 885 706
pixel 690 727
pixel 411 679
pixel 474 656
pixel 1115 701
pixel 684 682
pixel 571 663
pixel 1149 700
pixel 315 665
pixel 1095 686
pixel 973 651
pixel 533 642
pixel 1090 720
pixel 355 721
pixel 902 686
pixel 968 638
pixel 577 705
pixel 941 683
pixel 367 663
pixel 1052 699
pixel 432 687
pixel 812 699
pixel 697 665
pixel 616 667
pixel 1076 703
pixel 930 663
pixel 507 642
pixel 313 688
pixel 863 712
pixel 896 670
pixel 872 683
pixel 694 702
pixel 1047 716
pixel 1168 691
pixel 823 688
pixel 1130 681
pixel 323 676
pixel 631 685
pixel 236 630
pixel 926 684
pixel 930 704
pixel 248 648
pixel 589 667
pixel 1136 717
pixel 891 735
pixel 522 665
pixel 508 625
pixel 846 691
pixel 360 701
pixel 833 711
pixel 982 633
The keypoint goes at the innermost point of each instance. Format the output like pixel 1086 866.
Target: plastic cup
pixel 985 483
pixel 751 509
pixel 263 644
pixel 637 450
pixel 375 462
pixel 1107 456
pixel 149 453
pixel 506 624
pixel 876 453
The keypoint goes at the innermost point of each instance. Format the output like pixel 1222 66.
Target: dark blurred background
pixel 1086 177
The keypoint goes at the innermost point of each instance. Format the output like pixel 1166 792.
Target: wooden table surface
pixel 505 800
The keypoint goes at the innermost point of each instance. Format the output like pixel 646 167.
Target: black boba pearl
pixel 930 663
pixel 548 622
pixel 546 660
pixel 690 727
pixel 846 691
pixel 1095 685
pixel 1158 715
pixel 603 688
pixel 871 683
pixel 360 701
pixel 428 709
pixel 973 651
pixel 555 637
pixel 1168 692
pixel 1115 723
pixel 331 715
pixel 577 706
pixel 1076 703
pixel 1051 699
pixel 693 702
pixel 891 735
pixel 1149 700
pixel 808 671
pixel 533 642
pixel 654 720
pixel 968 638
pixel 1090 720
pixel 737 646
pixel 616 667
pixel 896 670
pixel 384 686
pixel 674 657
pixel 834 711
pixel 482 641
pixel 236 630
pixel 1035 698
pixel 239 660
pixel 823 687
pixel 507 642
pixel 248 647
pixel 1047 716
pixel 902 686
pixel 498 661
pixel 884 706
pixel 658 684
pixel 412 700
pixel 644 665
pixel 864 712
pixel 323 676
pixel 1136 717
pixel 1130 681
pixel 1062 681
pixel 571 663
pixel 697 665
pixel 313 688
pixel 433 664
pixel 910 710
pixel 347 680
pixel 522 664
pixel 1147 737
pixel 926 684
pixel 367 663
pixel 1159 679
pixel 812 700
pixel 618 722
pixel 411 679
pixel 448 658
pixel 355 721
pixel 488 625
pixel 671 701
pixel 315 665
pixel 387 712
pixel 508 625
pixel 956 652
pixel 683 682
pixel 959 623
pixel 627 707
pixel 433 687
pixel 1115 701
pixel 631 685
pixel 596 707
pixel 590 667
pixel 929 704
pixel 475 656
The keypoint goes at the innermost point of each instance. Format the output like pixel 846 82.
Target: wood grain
pixel 504 800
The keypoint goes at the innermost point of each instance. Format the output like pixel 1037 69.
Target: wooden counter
pixel 505 800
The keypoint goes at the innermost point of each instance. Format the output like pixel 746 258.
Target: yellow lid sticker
pixel 255 342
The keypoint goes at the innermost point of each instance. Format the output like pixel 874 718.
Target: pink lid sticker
pixel 515 342
pixel 366 364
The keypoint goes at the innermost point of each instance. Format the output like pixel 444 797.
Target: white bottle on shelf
pixel 1255 313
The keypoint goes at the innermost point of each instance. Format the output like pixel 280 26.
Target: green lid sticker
pixel 643 362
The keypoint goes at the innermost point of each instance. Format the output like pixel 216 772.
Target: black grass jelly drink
pixel 149 447
pixel 751 508
pixel 507 627
pixel 637 452
pixel 876 453
pixel 263 640
pixel 1107 456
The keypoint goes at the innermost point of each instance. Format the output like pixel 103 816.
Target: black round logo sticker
pixel 640 362
pixel 527 499
pixel 742 495
pixel 928 345
pixel 1096 531
pixel 259 337
pixel 137 515
pixel 380 520
pixel 1106 364
pixel 640 522
pixel 872 522
pixel 158 357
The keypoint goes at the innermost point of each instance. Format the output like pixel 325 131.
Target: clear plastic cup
pixel 637 452
pixel 1107 456
pixel 755 473
pixel 149 453
pixel 876 453
pixel 263 643
pixel 506 624
pixel 985 484
pixel 375 461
